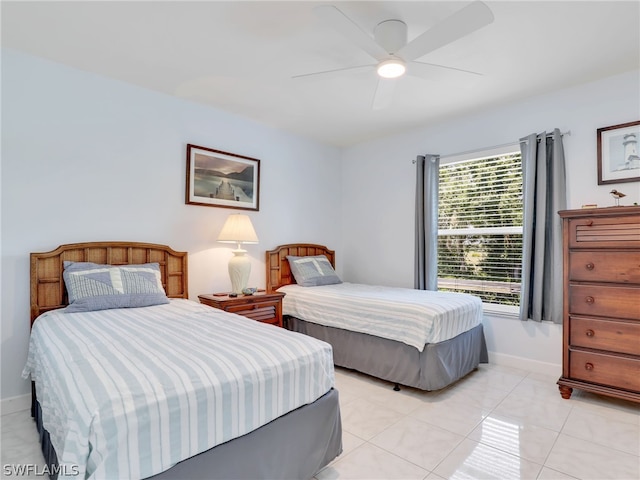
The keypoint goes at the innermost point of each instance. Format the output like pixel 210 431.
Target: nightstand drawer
pixel 262 314
pixel 250 307
pixel 262 307
pixel 263 311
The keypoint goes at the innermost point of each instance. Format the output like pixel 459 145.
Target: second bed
pixel 416 338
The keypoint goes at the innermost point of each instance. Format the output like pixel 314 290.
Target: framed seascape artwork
pixel 222 179
pixel 618 159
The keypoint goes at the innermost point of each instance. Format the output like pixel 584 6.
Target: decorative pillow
pixel 100 287
pixel 313 271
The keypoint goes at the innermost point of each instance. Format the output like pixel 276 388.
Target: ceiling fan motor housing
pixel 391 35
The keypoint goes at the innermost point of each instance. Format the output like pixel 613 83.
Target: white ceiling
pixel 240 56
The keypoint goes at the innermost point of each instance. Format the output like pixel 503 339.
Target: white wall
pixel 86 158
pixel 379 188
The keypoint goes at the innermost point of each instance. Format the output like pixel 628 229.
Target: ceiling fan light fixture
pixel 391 68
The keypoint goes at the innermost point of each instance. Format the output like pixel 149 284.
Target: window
pixel 480 228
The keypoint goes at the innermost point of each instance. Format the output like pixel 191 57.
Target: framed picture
pixel 618 159
pixel 222 179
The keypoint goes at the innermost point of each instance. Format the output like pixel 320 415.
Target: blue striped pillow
pixel 312 271
pixel 91 286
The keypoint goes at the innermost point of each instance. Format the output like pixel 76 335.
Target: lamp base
pixel 239 270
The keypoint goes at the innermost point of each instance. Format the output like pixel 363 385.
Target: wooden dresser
pixel 601 325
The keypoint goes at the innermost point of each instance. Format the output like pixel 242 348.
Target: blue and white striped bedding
pixel 414 317
pixel 128 393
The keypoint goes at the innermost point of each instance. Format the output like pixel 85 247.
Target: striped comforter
pixel 414 317
pixel 128 393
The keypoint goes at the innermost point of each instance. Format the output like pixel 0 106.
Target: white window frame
pixel 493 308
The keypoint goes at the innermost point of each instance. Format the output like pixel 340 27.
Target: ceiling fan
pixel 389 47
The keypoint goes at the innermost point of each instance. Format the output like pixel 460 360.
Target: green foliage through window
pixel 480 228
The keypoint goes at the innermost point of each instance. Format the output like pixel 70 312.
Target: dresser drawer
pixel 621 231
pixel 604 266
pixel 605 301
pixel 615 336
pixel 605 369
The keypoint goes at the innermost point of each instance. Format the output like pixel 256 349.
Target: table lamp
pixel 238 229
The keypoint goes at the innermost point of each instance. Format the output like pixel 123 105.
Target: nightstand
pixel 261 306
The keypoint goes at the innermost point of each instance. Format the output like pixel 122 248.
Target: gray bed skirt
pixel 437 366
pixel 281 449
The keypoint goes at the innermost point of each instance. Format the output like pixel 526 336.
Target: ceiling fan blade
pixel 384 93
pixel 343 24
pixel 471 18
pixel 326 73
pixel 429 70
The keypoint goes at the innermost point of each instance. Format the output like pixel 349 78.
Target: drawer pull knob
pixel 588 366
pixel 589 266
pixel 590 333
pixel 590 300
pixel 589 223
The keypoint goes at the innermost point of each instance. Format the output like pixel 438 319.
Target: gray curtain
pixel 426 261
pixel 544 191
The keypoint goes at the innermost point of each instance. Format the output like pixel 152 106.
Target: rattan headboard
pixel 48 291
pixel 278 271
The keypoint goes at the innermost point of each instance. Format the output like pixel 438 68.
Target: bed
pixel 173 389
pixel 455 352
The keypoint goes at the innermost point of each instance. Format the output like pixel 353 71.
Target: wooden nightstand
pixel 261 306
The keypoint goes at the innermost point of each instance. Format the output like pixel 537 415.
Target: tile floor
pixel 498 422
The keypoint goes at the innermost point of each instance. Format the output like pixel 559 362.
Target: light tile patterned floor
pixel 498 422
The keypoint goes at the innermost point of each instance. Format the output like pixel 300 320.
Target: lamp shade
pixel 238 229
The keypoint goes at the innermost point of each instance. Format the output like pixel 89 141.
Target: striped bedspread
pixel 414 317
pixel 128 393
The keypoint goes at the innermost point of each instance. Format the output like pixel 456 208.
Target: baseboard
pixel 525 364
pixel 15 404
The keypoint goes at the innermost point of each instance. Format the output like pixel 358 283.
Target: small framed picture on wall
pixel 222 179
pixel 618 157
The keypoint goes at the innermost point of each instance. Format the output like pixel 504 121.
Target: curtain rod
pixel 568 132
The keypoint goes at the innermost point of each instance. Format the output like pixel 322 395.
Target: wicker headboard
pixel 278 271
pixel 48 291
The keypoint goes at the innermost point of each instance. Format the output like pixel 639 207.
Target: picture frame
pixel 618 153
pixel 222 179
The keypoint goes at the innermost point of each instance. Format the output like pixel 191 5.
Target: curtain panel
pixel 426 241
pixel 544 192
